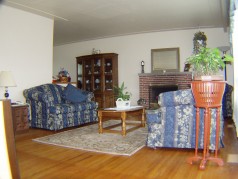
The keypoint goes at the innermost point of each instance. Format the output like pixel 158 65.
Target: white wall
pixel 26 49
pixel 132 49
pixel 235 53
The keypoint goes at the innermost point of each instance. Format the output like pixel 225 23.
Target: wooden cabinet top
pixel 101 55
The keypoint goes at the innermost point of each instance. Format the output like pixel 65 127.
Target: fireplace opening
pixel 155 90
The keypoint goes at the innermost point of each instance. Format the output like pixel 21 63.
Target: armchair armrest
pixel 175 98
pixel 153 116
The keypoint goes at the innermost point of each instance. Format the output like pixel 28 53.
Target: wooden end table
pixel 134 113
pixel 20 118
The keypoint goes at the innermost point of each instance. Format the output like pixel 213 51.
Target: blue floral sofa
pixel 55 107
pixel 172 125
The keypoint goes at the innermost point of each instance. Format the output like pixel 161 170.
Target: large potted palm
pixel 207 63
pixel 123 97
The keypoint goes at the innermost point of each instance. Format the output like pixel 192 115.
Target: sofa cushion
pixel 73 94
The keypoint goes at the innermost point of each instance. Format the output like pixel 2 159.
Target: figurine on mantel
pixel 142 66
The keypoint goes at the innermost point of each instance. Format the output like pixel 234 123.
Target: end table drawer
pixel 20 118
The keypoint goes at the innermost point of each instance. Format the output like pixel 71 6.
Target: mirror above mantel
pixel 165 60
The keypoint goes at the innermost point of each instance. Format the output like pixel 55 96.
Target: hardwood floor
pixel 46 161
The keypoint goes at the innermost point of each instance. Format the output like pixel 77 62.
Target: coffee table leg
pixel 123 122
pixel 100 122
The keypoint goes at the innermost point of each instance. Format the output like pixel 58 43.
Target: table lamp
pixel 7 80
pixel 224 49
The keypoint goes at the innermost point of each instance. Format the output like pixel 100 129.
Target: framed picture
pixel 166 59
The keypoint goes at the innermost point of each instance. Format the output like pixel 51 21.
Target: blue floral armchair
pixel 173 124
pixel 55 107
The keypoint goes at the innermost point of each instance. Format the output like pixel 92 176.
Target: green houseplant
pixel 122 96
pixel 120 92
pixel 208 62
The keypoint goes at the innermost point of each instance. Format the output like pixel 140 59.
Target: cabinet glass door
pixel 88 75
pixel 80 75
pixel 97 78
pixel 108 74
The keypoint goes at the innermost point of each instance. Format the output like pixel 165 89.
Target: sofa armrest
pixel 35 95
pixel 175 98
pixel 227 101
pixel 90 96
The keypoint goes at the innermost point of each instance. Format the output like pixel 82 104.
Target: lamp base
pixel 142 69
pixel 6 94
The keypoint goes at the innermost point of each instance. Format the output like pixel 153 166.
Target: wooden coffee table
pixel 134 113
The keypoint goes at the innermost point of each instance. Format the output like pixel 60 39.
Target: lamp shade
pixel 6 79
pixel 224 48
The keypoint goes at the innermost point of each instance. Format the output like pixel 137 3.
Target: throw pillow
pixel 73 94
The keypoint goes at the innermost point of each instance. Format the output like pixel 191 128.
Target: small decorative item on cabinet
pixel 94 51
pixel 99 63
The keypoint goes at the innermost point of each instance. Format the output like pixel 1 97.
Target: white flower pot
pixel 122 104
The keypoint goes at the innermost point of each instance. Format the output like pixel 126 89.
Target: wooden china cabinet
pixel 98 73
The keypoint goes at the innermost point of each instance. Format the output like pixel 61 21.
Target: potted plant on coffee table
pixel 123 97
pixel 207 63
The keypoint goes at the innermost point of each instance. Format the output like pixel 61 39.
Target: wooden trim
pixel 59 82
pixel 10 139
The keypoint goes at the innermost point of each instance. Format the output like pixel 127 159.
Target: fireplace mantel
pixel 165 74
pixel 182 79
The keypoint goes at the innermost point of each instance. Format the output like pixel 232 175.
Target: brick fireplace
pixel 146 80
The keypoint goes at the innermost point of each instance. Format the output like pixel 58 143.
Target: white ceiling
pixel 80 20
